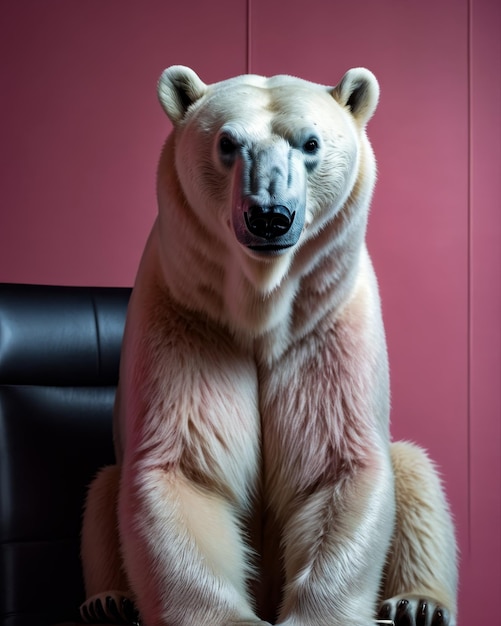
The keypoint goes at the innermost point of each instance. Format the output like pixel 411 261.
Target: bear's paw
pixel 110 607
pixel 415 611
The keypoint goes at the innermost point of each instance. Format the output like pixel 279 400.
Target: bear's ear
pixel 178 88
pixel 359 91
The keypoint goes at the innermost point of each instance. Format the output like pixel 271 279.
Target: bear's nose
pixel 268 222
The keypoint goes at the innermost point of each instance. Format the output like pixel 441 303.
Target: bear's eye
pixel 311 146
pixel 227 147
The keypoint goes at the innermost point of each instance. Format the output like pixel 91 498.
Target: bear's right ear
pixel 178 88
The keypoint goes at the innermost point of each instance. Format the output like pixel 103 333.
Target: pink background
pixel 81 131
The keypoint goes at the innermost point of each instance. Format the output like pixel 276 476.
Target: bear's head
pixel 264 165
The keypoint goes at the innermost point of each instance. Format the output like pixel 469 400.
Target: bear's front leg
pixel 335 544
pixel 328 473
pixel 189 431
pixel 183 552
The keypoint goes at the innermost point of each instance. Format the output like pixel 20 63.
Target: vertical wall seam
pixel 248 42
pixel 469 264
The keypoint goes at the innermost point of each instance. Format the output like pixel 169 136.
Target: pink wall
pixel 81 128
pixel 81 132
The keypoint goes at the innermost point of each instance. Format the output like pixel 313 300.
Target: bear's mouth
pixel 270 247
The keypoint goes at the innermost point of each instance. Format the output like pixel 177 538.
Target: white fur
pixel 252 414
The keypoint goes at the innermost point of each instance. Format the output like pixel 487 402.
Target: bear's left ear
pixel 359 91
pixel 178 88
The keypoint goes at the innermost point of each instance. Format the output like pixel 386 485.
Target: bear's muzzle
pixel 269 197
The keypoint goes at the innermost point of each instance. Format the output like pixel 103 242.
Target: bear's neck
pixel 317 282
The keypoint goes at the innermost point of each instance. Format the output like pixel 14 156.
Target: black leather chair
pixel 59 355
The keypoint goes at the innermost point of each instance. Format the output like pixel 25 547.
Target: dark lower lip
pixel 269 247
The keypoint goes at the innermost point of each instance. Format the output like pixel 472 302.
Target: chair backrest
pixel 59 356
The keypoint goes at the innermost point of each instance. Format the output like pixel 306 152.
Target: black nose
pixel 268 222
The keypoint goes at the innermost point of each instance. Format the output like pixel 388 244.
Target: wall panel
pixel 81 129
pixel 482 556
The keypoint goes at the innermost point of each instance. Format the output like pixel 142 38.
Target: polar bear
pixel 256 481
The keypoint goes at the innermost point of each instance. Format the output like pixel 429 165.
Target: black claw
pixel 422 613
pixel 85 614
pixel 385 611
pixel 440 617
pixel 403 618
pixel 100 612
pixel 129 611
pixel 112 610
pixel 92 613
